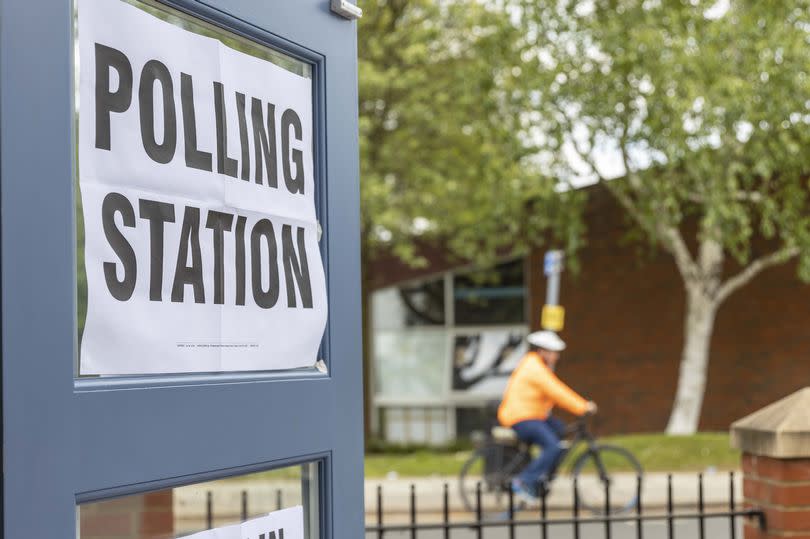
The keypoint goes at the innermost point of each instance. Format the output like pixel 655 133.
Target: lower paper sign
pixel 284 524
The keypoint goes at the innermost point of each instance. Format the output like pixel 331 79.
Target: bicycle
pixel 502 456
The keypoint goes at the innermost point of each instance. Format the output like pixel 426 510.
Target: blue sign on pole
pixel 552 263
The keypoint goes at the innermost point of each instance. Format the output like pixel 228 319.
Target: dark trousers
pixel 546 434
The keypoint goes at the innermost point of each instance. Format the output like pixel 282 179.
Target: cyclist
pixel 533 390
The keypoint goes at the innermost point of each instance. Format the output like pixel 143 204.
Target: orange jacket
pixel 532 392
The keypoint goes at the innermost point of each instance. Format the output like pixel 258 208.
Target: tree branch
pixel 582 153
pixel 673 241
pixel 740 196
pixel 745 276
pixel 669 235
pixel 635 183
pixel 620 196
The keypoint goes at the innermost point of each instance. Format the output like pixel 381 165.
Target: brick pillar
pixel 775 443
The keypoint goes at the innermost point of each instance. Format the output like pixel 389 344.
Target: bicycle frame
pixel 581 435
pixel 503 457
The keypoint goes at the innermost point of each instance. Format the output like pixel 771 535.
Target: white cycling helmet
pixel 547 340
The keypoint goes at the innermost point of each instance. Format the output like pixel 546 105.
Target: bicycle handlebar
pixel 580 424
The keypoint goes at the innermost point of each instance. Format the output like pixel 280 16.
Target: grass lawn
pixel 656 452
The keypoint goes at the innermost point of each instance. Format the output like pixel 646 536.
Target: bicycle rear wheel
pixel 493 466
pixel 607 479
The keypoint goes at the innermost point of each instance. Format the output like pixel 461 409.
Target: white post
pixel 552 268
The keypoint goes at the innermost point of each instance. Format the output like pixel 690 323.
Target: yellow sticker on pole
pixel 552 317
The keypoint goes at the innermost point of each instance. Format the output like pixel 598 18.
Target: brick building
pixel 624 324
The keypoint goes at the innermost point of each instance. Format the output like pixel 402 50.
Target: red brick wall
pixel 145 516
pixel 624 324
pixel 781 487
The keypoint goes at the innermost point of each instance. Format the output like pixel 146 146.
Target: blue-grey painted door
pixel 69 441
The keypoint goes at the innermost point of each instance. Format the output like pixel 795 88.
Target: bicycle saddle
pixel 504 434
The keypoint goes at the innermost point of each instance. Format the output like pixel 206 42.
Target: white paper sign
pixel 284 524
pixel 197 184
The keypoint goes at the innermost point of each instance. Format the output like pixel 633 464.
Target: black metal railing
pixel 210 510
pixel 515 518
pixel 478 523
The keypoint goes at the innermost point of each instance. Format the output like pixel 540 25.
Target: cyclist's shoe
pixel 523 491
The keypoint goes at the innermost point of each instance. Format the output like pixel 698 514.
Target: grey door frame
pixel 68 441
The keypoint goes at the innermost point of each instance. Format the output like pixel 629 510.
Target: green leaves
pixel 470 114
pixel 444 154
pixel 709 106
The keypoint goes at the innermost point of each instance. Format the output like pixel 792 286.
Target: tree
pixel 442 151
pixel 444 156
pixel 704 107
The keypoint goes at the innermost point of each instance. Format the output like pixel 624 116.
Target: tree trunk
pixel 698 327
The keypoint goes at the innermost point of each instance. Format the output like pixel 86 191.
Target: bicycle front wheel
pixel 607 479
pixel 492 466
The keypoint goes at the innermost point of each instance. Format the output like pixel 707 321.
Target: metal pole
pixel 670 521
pixel 511 514
pixel 552 267
pixel 576 508
pixel 553 289
pixel 209 510
pixel 607 509
pixel 478 513
pixel 731 505
pixel 413 511
pixel 446 512
pixel 379 512
pixel 701 509
pixel 544 514
pixel 639 528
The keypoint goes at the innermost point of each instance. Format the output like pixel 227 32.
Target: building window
pixel 490 297
pixel 410 364
pixel 420 304
pixel 472 423
pixel 410 340
pixel 415 425
pixel 189 509
pixel 483 359
pixel 444 344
